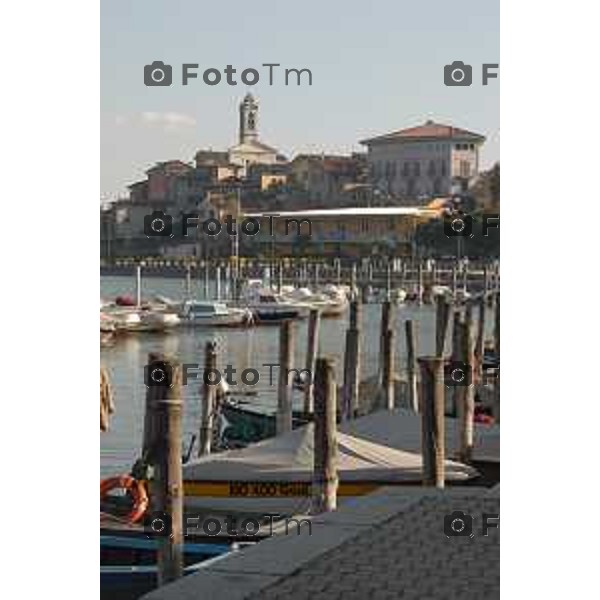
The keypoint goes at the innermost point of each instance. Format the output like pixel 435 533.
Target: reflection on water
pixel 243 349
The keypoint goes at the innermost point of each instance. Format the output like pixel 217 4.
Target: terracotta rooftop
pixel 429 130
pixel 169 166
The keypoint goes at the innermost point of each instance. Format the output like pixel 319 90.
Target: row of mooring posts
pixel 163 435
pixel 226 278
pixel 162 423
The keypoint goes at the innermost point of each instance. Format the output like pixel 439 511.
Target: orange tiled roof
pixel 429 130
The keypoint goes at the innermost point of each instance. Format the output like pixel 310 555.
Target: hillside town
pixel 364 203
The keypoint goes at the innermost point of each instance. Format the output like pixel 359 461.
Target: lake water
pixel 241 348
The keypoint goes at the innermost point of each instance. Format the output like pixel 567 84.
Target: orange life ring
pixel 137 489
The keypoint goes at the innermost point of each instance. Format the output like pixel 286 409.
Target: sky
pixel 376 67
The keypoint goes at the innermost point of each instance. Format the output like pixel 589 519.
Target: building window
pixel 417 169
pixel 471 146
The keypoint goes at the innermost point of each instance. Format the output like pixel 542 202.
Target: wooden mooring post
pixel 209 394
pixel 388 281
pixel 486 283
pixel 312 343
pixel 353 283
pixel 385 326
pixel 442 321
pixel 457 322
pixel 206 280
pixel 284 392
pixel 465 389
pixel 325 478
pixel 496 409
pixel 411 365
pixel 432 420
pixel 218 282
pixel 155 373
pixel 138 285
pixel 188 281
pixel 388 376
pixel 454 280
pixel 420 284
pixel 166 487
pixel 350 395
pixel 480 340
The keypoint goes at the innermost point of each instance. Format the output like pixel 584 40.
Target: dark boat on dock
pixel 246 426
pixel 128 563
pixel 128 559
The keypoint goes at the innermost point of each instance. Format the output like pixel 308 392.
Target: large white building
pixel 427 161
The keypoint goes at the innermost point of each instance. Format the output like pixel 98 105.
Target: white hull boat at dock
pixel 269 307
pixel 156 320
pixel 275 475
pixel 132 319
pixel 214 314
pixel 331 302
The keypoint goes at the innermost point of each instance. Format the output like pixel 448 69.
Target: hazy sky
pixel 376 67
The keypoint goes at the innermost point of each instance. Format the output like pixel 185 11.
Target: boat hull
pixel 271 316
pixel 247 426
pixel 128 563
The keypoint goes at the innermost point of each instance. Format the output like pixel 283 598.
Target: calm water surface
pixel 241 348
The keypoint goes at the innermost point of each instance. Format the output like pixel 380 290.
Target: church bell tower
pixel 248 119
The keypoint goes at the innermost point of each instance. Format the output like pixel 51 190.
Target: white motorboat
pixel 462 295
pixel 107 323
pixel 157 320
pixel 214 314
pixel 337 301
pixel 398 296
pixel 331 301
pixel 267 306
pixel 123 318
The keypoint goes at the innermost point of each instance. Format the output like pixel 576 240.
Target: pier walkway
pixel 390 544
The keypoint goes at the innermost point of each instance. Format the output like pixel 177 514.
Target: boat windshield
pixel 206 308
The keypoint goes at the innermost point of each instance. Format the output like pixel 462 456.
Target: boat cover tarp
pixel 401 429
pixel 289 457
